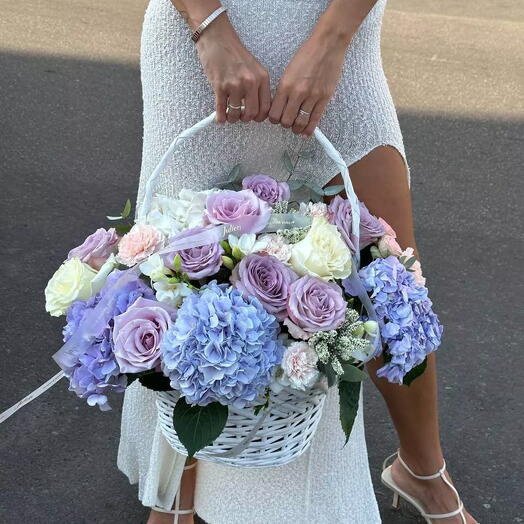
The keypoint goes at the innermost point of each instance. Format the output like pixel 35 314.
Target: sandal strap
pixel 439 473
pixel 191 466
pixel 174 511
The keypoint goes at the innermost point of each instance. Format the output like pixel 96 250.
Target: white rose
pixel 245 244
pixel 171 293
pixel 322 253
pixel 72 281
pixel 154 268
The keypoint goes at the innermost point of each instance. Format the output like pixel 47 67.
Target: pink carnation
pixel 300 365
pixel 137 245
pixel 416 268
pixel 387 245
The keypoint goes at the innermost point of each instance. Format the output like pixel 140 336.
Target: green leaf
pixel 415 372
pixel 295 184
pixel 315 188
pixel 288 164
pixel 155 382
pixel 307 154
pixel 333 190
pixel 352 373
pixel 127 209
pixel 349 393
pixel 409 262
pixel 236 173
pixel 123 228
pixel 198 426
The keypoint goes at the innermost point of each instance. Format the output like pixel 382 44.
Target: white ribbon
pixel 36 393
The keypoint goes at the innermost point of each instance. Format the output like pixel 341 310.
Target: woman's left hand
pixel 308 83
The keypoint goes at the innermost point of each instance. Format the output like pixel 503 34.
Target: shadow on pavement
pixel 70 154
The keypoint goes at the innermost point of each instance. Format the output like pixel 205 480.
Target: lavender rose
pixel 316 305
pixel 267 279
pixel 267 188
pixel 137 334
pixel 96 248
pixel 238 208
pixel 371 228
pixel 197 262
pixel 339 213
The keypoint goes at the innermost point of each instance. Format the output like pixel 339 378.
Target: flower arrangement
pixel 227 294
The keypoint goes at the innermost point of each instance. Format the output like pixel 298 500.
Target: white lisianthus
pixel 322 253
pixel 100 279
pixel 72 281
pixel 170 292
pixel 245 244
pixel 166 214
pixel 193 204
pixel 154 268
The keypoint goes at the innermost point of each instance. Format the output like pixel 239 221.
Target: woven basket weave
pixel 270 438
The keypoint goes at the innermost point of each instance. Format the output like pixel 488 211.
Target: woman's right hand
pixel 236 76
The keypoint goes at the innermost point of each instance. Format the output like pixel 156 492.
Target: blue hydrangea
pixel 221 347
pixel 95 371
pixel 408 325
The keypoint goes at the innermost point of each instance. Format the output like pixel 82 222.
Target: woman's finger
pixel 304 116
pixel 221 106
pixel 251 102
pixel 290 112
pixel 316 114
pixel 277 107
pixel 264 99
pixel 234 107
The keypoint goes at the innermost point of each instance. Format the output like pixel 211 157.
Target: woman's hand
pixel 308 83
pixel 236 76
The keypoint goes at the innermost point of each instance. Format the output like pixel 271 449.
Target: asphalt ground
pixel 70 146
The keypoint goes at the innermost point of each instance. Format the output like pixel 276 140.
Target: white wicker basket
pixel 273 437
pixel 284 431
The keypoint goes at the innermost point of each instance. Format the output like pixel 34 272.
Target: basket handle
pixel 199 126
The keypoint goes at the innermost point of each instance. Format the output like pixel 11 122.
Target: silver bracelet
pixel 206 22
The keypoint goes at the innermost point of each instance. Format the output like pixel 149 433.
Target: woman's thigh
pixel 380 180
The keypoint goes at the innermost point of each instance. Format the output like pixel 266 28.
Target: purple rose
pixel 242 209
pixel 370 227
pixel 267 279
pixel 267 188
pixel 137 334
pixel 316 305
pixel 339 213
pixel 197 262
pixel 96 248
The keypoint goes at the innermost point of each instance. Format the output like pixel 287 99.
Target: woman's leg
pixel 380 181
pixel 187 491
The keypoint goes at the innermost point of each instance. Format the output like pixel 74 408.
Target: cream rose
pixel 72 281
pixel 322 253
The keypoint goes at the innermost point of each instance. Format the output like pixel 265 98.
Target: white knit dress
pixel 329 484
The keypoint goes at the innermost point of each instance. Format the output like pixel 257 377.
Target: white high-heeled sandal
pixel 176 511
pixel 398 493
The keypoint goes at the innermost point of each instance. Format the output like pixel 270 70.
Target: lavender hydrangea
pixel 407 322
pixel 95 371
pixel 222 347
